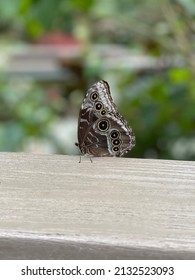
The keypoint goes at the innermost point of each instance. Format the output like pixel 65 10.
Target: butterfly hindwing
pixel 102 131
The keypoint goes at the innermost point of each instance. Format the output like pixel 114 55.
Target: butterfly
pixel 102 131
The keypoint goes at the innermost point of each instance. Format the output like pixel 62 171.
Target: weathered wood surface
pixel 52 207
pixel 42 62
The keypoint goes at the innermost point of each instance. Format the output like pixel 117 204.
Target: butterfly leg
pixel 90 159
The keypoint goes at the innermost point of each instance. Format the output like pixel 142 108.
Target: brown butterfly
pixel 102 131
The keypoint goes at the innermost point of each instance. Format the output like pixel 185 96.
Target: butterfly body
pixel 102 131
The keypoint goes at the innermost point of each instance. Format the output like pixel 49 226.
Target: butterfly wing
pixel 102 131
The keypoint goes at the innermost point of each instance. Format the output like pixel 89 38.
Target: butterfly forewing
pixel 102 131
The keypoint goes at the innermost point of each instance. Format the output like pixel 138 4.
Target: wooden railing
pixel 52 207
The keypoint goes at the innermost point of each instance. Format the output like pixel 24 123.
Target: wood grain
pixel 52 207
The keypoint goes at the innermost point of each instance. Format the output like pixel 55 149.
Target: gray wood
pixel 52 207
pixel 42 63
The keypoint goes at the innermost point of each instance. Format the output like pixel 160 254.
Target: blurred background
pixel 52 51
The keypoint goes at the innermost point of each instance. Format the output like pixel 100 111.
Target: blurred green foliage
pixel 159 104
pixel 161 111
pixel 24 113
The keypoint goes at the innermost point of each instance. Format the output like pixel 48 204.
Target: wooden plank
pixel 43 63
pixel 52 207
